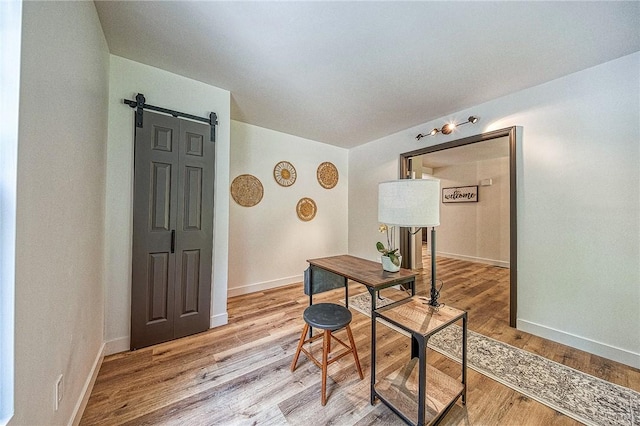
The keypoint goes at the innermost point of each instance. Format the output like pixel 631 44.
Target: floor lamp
pixel 412 203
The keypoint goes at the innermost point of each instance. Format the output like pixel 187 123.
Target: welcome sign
pixel 460 194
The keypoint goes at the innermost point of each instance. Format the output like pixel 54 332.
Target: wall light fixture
pixel 448 128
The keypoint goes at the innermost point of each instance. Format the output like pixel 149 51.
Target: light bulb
pixel 448 128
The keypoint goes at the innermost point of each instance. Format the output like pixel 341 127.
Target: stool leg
pixel 354 351
pixel 325 358
pixel 300 343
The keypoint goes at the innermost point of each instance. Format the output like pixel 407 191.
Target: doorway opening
pixel 457 163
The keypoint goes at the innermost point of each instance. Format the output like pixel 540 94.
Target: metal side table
pixel 419 393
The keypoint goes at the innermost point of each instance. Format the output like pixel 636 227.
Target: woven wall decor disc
pixel 247 190
pixel 327 175
pixel 284 173
pixel 306 209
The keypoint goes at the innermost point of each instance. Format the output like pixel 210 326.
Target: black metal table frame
pixel 372 290
pixel 419 349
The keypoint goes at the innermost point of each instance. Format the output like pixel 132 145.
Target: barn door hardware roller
pixel 140 105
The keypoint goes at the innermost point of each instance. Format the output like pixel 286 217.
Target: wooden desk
pixel 365 272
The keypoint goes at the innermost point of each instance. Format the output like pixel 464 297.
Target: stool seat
pixel 327 316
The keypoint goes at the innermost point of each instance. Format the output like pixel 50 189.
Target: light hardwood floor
pixel 239 373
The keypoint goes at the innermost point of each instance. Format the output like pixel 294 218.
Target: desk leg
pixel 413 287
pixel 310 303
pixel 310 295
pixel 372 293
pixel 346 292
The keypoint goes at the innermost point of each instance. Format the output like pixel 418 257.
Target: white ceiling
pixel 345 73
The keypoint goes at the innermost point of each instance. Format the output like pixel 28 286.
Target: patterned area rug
pixel 583 397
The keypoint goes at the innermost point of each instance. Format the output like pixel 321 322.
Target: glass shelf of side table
pixel 417 381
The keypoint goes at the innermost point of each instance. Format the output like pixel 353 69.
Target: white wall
pixel 268 243
pixel 59 310
pixel 479 231
pixel 578 202
pixel 10 34
pixel 163 89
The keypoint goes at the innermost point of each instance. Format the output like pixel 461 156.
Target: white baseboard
pixel 121 344
pixel 265 285
pixel 218 320
pixel 597 348
pixel 78 410
pixel 494 262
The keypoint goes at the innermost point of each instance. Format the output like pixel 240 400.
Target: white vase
pixel 388 265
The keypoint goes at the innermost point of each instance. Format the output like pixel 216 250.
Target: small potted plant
pixel 390 257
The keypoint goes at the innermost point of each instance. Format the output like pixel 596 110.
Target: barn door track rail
pixel 140 104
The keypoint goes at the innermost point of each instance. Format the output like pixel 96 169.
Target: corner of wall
pixel 81 404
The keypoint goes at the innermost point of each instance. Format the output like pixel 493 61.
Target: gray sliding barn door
pixel 172 230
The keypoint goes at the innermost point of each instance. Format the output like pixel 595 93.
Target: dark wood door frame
pixel 515 135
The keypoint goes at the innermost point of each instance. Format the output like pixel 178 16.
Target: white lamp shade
pixel 409 202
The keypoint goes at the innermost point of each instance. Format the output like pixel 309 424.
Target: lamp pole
pixel 434 293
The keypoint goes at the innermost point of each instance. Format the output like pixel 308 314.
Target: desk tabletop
pixel 416 315
pixel 363 271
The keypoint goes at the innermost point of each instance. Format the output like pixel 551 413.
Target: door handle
pixel 173 241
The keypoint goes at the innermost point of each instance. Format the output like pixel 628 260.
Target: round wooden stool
pixel 328 317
